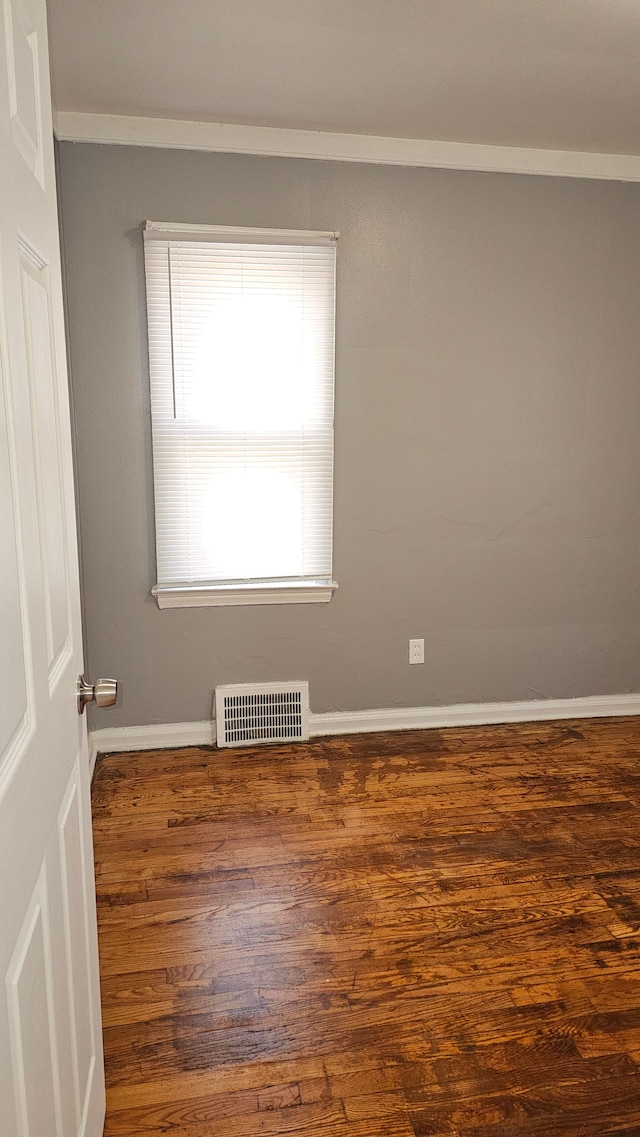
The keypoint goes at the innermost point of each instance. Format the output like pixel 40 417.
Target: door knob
pixel 103 693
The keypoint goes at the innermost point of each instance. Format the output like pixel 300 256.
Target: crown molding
pixel 176 134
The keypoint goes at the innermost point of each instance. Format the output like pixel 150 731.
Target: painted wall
pixel 487 427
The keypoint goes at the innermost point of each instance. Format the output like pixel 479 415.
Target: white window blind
pixel 241 347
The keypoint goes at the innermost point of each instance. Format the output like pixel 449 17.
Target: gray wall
pixel 487 447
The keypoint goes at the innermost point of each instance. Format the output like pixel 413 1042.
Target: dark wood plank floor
pixel 408 934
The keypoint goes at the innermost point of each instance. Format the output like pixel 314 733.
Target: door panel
pixel 47 449
pixel 77 935
pixel 25 96
pixel 33 1034
pixel 13 690
pixel 51 1068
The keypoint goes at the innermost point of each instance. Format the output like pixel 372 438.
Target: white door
pixel 51 1068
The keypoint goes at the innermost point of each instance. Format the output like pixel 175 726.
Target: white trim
pixel 176 134
pixel 163 735
pixel 179 231
pixel 474 714
pixel 93 755
pixel 157 736
pixel 276 592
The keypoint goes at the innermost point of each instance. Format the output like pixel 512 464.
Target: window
pixel 241 352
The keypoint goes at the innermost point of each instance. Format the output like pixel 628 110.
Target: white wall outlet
pixel 416 651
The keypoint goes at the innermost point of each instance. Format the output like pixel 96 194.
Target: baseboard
pixel 156 736
pixel 474 714
pixel 160 736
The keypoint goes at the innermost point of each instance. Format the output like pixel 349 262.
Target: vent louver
pixel 250 713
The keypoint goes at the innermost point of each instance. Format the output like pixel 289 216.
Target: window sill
pixel 271 592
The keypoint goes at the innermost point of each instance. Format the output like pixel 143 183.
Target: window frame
pixel 248 591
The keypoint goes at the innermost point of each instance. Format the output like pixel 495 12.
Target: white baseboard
pixel 178 734
pixel 474 714
pixel 156 736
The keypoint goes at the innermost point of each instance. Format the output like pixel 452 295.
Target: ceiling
pixel 558 74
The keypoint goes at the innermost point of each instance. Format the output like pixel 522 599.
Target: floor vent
pixel 250 713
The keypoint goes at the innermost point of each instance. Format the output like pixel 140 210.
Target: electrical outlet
pixel 416 651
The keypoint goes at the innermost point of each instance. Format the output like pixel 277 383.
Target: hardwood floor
pixel 407 934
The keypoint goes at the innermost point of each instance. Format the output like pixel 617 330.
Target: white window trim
pixel 166 230
pixel 250 592
pixel 225 595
